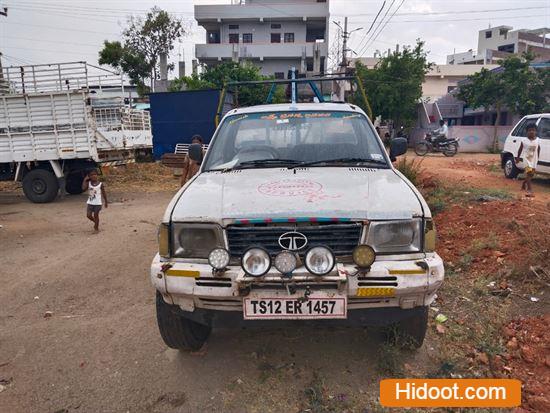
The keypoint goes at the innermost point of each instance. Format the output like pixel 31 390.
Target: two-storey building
pixel 275 35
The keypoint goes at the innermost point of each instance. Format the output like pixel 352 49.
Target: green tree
pixel 514 86
pixel 216 77
pixel 126 60
pixel 144 40
pixel 394 85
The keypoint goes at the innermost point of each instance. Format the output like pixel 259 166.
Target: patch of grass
pixel 411 169
pixel 493 167
pixel 465 261
pixel 438 198
pixel 388 361
pixel 490 242
pixel 318 401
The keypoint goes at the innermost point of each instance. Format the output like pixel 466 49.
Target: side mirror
pixel 195 152
pixel 398 146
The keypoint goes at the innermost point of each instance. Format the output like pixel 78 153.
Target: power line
pixel 455 12
pixel 382 29
pixel 372 24
pixel 363 46
pixel 364 43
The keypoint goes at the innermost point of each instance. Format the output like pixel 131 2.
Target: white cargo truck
pixel 58 121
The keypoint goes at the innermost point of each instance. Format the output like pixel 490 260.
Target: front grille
pixel 340 238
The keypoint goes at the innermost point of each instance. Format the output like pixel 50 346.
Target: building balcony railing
pixel 259 50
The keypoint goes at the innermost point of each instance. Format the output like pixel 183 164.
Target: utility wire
pixel 365 42
pixel 371 26
pixel 382 29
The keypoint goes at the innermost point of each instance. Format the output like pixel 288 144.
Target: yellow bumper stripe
pixel 376 292
pixel 183 273
pixel 407 272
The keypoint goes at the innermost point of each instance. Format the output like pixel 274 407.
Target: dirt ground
pixel 78 330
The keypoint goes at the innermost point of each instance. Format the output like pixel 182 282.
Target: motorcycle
pixel 449 146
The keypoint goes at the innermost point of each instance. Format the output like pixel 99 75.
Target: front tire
pixel 40 186
pixel 511 171
pixel 421 148
pixel 450 150
pixel 177 331
pixel 410 332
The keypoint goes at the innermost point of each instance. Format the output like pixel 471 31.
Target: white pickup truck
pixel 296 214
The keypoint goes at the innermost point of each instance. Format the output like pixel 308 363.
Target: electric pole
pixel 345 36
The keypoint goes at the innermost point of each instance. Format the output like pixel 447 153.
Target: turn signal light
pixel 429 236
pixel 164 240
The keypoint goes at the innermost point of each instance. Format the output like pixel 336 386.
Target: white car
pixel 513 141
pixel 296 214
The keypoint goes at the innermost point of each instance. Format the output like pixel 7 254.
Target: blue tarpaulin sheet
pixel 177 116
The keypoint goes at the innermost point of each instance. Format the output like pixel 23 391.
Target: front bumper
pixel 389 284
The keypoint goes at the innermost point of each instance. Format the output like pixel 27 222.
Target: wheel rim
pixel 422 148
pixel 451 149
pixel 508 167
pixel 38 186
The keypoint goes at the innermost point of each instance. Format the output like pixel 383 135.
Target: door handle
pixel 514 141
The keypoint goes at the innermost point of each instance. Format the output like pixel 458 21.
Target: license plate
pixel 316 306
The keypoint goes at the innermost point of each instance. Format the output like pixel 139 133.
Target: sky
pixel 54 31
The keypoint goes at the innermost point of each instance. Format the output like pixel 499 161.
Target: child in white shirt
pixel 530 148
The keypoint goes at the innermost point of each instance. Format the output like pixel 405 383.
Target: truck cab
pixel 297 213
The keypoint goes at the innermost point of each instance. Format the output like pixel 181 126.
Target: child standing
pixel 530 147
pixel 96 197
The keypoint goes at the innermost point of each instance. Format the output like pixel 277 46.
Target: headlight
pixel 363 255
pixel 195 240
pixel 164 240
pixel 219 258
pixel 256 262
pixel 285 262
pixel 319 260
pixel 395 236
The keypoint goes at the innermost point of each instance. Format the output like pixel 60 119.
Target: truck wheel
pixel 511 171
pixel 73 184
pixel 40 186
pixel 177 331
pixel 410 332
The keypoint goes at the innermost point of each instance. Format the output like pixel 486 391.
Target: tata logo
pixel 292 241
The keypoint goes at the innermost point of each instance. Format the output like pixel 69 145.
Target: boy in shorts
pixel 530 148
pixel 96 197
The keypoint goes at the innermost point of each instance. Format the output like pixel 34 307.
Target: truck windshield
pixel 275 139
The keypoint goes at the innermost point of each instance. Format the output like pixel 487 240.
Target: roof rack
pixel 294 82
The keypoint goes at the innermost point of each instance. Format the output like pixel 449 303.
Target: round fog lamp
pixel 319 260
pixel 363 255
pixel 219 258
pixel 285 262
pixel 256 262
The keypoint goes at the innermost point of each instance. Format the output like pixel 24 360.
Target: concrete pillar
pixel 181 69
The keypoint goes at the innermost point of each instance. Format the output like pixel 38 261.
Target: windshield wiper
pixel 341 160
pixel 276 161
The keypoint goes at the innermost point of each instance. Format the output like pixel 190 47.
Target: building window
pixel 275 25
pixel 508 48
pixel 233 37
pixel 275 37
pixel 450 88
pixel 233 27
pixel 212 37
pixel 309 65
pixel 247 37
pixel 289 37
pixel 279 75
pixel 488 35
